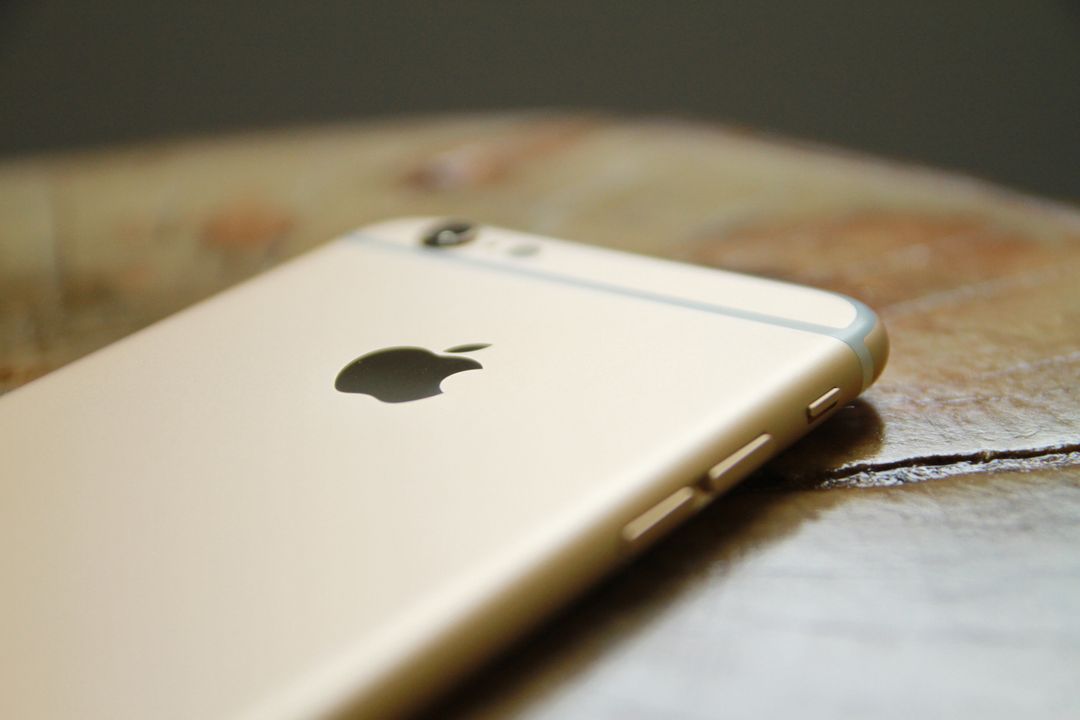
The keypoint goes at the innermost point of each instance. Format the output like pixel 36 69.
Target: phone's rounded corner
pixel 877 342
pixel 867 333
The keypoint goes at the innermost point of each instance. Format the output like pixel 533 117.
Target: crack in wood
pixel 935 467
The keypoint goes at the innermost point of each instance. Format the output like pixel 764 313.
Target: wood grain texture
pixel 952 598
pixel 915 555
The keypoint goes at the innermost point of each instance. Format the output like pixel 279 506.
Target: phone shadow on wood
pixel 725 536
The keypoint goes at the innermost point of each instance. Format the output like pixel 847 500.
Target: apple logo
pixel 401 374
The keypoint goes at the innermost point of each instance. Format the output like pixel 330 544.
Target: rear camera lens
pixel 450 234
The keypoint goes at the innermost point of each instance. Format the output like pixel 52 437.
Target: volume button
pixel 724 473
pixel 660 518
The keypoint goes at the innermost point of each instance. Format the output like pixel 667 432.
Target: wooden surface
pixel 919 555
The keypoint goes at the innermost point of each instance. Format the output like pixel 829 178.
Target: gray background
pixel 990 87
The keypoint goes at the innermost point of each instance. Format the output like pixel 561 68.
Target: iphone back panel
pixel 341 484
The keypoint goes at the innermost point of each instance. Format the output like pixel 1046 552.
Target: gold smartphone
pixel 336 487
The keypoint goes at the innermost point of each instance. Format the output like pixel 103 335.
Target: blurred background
pixel 987 87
